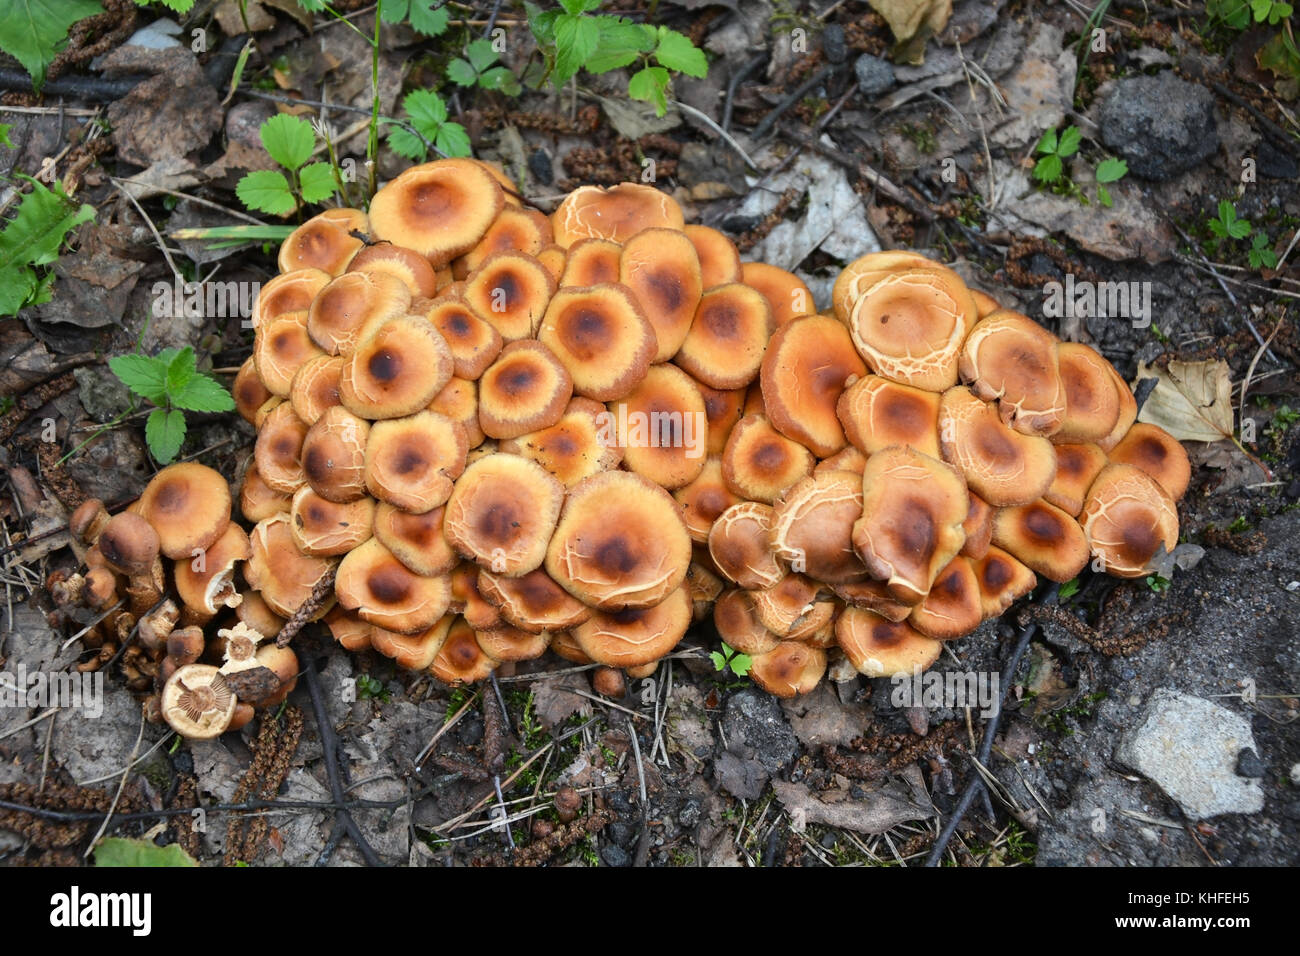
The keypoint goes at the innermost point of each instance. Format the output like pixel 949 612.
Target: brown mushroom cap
pixel 474 343
pixel 978 526
pixel 865 271
pixel 984 303
pixel 351 303
pixel 510 292
pixel 290 292
pixel 1091 400
pixel 789 669
pixel 1159 454
pixel 440 209
pixel 324 528
pixel 591 262
pixel 1011 359
pixel 461 660
pixel 724 408
pixel 459 401
pixel 704 500
pixel 662 269
pixel 415 652
pixel 703 584
pixel 554 259
pixel 372 582
pixel 347 627
pixel 602 337
pixel 324 242
pixel 1076 468
pixel 415 539
pixel 412 462
pixel 874 596
pixel 1044 537
pixel 257 614
pixel 759 463
pixel 913 507
pixel 257 499
pixel 718 255
pixel 248 391
pixel 581 444
pixel 1002 466
pixel 847 458
pixel 1002 580
pixel 197 702
pixel 283 575
pixel 532 602
pixel 407 265
pixel 315 387
pixel 616 213
pixel 524 390
pixel 1128 411
pixel 515 229
pixel 788 296
pixel 910 326
pixel 808 363
pixel 786 606
pixel 725 344
pixel 189 506
pixel 738 624
pixel 812 527
pixel 502 512
pixel 664 427
pixel 953 607
pixel 620 543
pixel 396 370
pixel 281 347
pixel 333 455
pixel 278 450
pixel 511 644
pixel 508 186
pixel 1127 517
pixel 566 647
pixel 878 647
pixel 206 584
pixel 740 543
pixel 877 413
pixel 129 544
pixel 635 636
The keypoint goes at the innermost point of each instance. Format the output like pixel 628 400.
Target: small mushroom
pixel 440 209
pixel 315 387
pixel 474 343
pixel 1127 518
pixel 406 265
pixel 787 294
pixel 635 636
pixel 1159 454
pixel 197 702
pixel 1011 359
pixel 740 543
pixel 1002 466
pixel 515 229
pixel 704 500
pixel 1044 537
pixel 1091 400
pixel 282 346
pixel 396 370
pixel 616 213
pixel 724 347
pixel 458 401
pixel 413 651
pixel 591 262
pixel 662 269
pixel 502 512
pixel 510 292
pixel 288 292
pixel 323 528
pixel 718 255
pixel 532 602
pixel 460 660
pixel 881 648
pixel 352 303
pixel 738 625
pixel 372 582
pixel 248 391
pixel 789 669
pixel 257 499
pixel 759 463
pixel 333 456
pixel 509 645
pixel 524 390
pixel 416 539
pixel 601 335
pixel 808 363
pixel 188 505
pixel 1002 581
pixel 412 462
pixel 283 575
pixel 877 413
pixel 1077 466
pixel 278 450
pixel 953 606
pixel 206 582
pixel 324 242
pixel 666 427
pixel 579 445
pixel 812 527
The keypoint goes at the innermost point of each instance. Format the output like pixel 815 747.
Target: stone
pixel 875 75
pixel 834 44
pixel 754 719
pixel 1161 125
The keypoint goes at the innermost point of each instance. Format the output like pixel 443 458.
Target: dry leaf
pixel 1192 400
pixel 898 801
pixel 912 23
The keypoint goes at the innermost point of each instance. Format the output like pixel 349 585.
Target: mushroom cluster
pixel 503 432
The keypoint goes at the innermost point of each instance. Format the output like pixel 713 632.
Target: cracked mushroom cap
pixel 502 512
pixel 953 607
pixel 372 582
pixel 1127 517
pixel 808 363
pixel 785 608
pixel 129 544
pixel 718 255
pixel 1077 466
pixel 789 669
pixel 290 292
pixel 1043 537
pixel 188 504
pixel 413 462
pixel 315 387
pixel 704 500
pixel 396 370
pixel 524 390
pixel 620 543
pixel 515 229
pixel 978 526
pixel 460 659
pixel 324 242
pixel 257 614
pixel 1091 400
pixel 278 449
pixel 506 644
pixel 725 345
pixel 415 652
pixel 280 348
pixel 759 463
pixel 740 543
pixel 197 702
pixel 510 292
pixel 635 636
pixel 350 304
pixel 283 575
pixel 324 528
pixel 1159 454
pixel 913 507
pixel 415 539
pixel 248 391
pixel 666 427
pixel 349 629
pixel 440 209
pixel 864 272
pixel 877 647
pixel 257 499
pixel 602 337
pixel 406 265
pixel 1128 411
pixel 1002 581
pixel 724 408
pixel 874 596
pixel 847 458
pixel 812 527
pixel 565 646
pixel 662 269
pixel 207 585
pixel 877 413
pixel 1001 465
pixel 787 295
pixel 738 625
pixel 532 602
pixel 459 402
pixel 581 444
pixel 1010 359
pixel 474 343
pixel 591 262
pixel 909 327
pixel 334 455
pixel 617 213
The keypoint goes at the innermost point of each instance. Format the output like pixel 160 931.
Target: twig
pixel 319 593
pixel 736 79
pixel 726 137
pixel 765 125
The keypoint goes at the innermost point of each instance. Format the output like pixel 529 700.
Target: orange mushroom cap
pixel 616 213
pixel 440 209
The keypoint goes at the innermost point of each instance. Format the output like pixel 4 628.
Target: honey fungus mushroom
pixel 197 702
pixel 502 512
pixel 440 209
pixel 188 505
pixel 617 213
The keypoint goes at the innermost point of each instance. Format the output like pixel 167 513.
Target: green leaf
pixel 429 17
pixel 676 52
pixel 33 238
pixel 621 42
pixel 1240 229
pixel 1048 168
pixel 1047 142
pixel 576 39
pixel 481 55
pixel 392 11
pixel 145 376
pixel 500 78
pixel 542 23
pixel 461 73
pixel 576 7
pixel 1111 170
pixel 452 140
pixel 202 394
pixel 651 85
pixel 405 143
pixel 181 368
pixel 1069 143
pixel 266 191
pixel 1069 589
pixel 4 135
pixel 719 662
pixel 33 31
pixel 288 139
pixel 1103 196
pixel 120 851
pixel 426 110
pixel 164 433
pixel 740 665
pixel 316 180
pixel 176 6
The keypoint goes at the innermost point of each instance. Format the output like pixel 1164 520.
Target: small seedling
pixel 428 116
pixel 1261 254
pixel 1239 525
pixel 731 659
pixel 479 68
pixel 1227 225
pixel 1068 590
pixel 1109 170
pixel 290 142
pixel 1053 150
pixel 370 688
pixel 1158 583
pixel 33 238
pixel 172 382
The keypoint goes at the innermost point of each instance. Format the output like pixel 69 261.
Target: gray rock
pixel 754 720
pixel 612 855
pixel 1189 747
pixel 834 44
pixel 744 778
pixel 875 75
pixel 102 395
pixel 1249 764
pixel 1160 124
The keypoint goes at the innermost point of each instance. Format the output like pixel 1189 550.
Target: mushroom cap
pixel 257 614
pixel 333 455
pixel 283 575
pixel 620 543
pixel 909 327
pixel 1011 359
pixel 662 269
pixel 865 271
pixel 510 292
pixel 515 229
pixel 129 544
pixel 808 363
pixel 324 242
pixel 718 255
pixel 468 601
pixel 440 209
pixel 315 387
pixel 984 303
pixel 349 629
pixel 759 463
pixel 787 294
pixel 459 401
pixel 188 504
pixel 602 337
pixel 874 596
pixel 396 370
pixel 209 585
pixel 812 527
pixel 512 644
pixel 664 427
pixel 616 213
pixel 1076 468
pixel 724 407
pixel 913 507
pixel 877 647
pixel 278 449
pixel 635 636
pixel 412 462
pixel 953 607
pixel 1043 537
pixel 474 343
pixel 724 347
pixel 324 528
pixel 257 499
pixel 579 445
pixel 591 262
pixel 738 625
pixel 415 652
pixel 524 390
pixel 1159 454
pixel 1002 466
pixel 554 259
pixel 461 660
pixel 877 413
pixel 1127 517
pixel 740 543
pixel 350 304
pixel 281 346
pixel 502 512
pixel 566 647
pixel 978 526
pixel 532 602
pixel 415 539
pixel 1002 581
pixel 372 582
pixel 789 669
pixel 407 265
pixel 1128 411
pixel 508 186
pixel 1091 400
pixel 784 608
pixel 847 458
pixel 197 702
pixel 289 292
pixel 249 392
pixel 704 500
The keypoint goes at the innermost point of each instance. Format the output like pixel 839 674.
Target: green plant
pixel 1053 149
pixel 1157 583
pixel 1109 170
pixel 428 17
pixel 1239 525
pixel 479 67
pixel 1068 590
pixel 33 31
pixel 290 142
pixel 1227 225
pixel 457 700
pixel 427 115
pixel 121 851
pixel 572 38
pixel 730 658
pixel 32 239
pixel 1261 254
pixel 171 382
pixel 371 688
